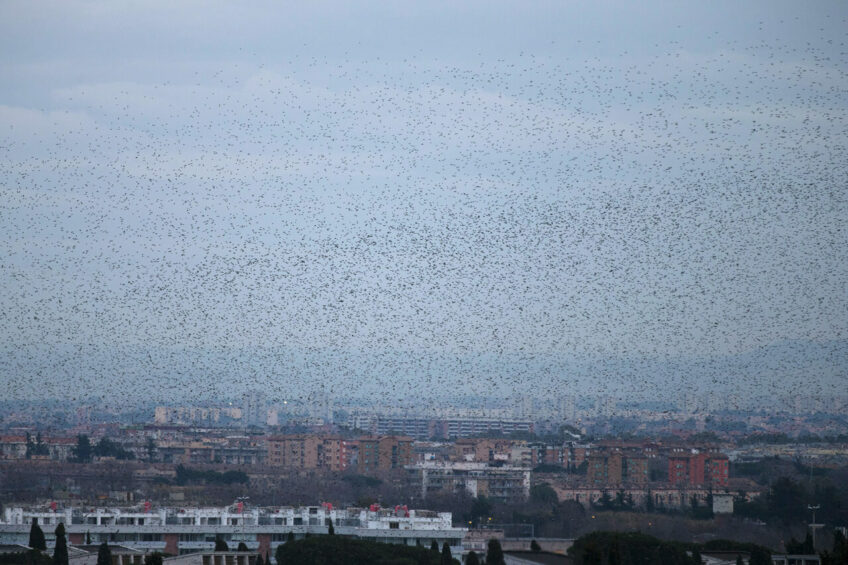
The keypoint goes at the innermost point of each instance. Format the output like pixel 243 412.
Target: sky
pixel 422 199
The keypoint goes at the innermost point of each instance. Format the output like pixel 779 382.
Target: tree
pixel 151 449
pixel 447 558
pixel 472 559
pixel 760 556
pixel 154 558
pixel 534 546
pixel 696 556
pixel 60 552
pixel 739 560
pixel 278 555
pixel 242 546
pixel 220 544
pixel 88 537
pixel 259 560
pixel 82 451
pixel 104 554
pixel 649 502
pixel 494 553
pixel 290 537
pixel 36 536
pixel 330 529
pixel 434 547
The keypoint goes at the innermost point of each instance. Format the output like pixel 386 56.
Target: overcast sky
pixel 421 183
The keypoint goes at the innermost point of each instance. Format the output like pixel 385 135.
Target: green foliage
pixel 242 547
pixel 434 547
pixel 31 557
pixel 187 475
pixel 108 448
pixel 330 529
pixel 362 481
pixel 617 548
pixel 82 451
pixel 37 447
pixel 220 544
pixel 259 560
pixel 155 558
pixel 60 552
pixel 338 550
pixel 543 493
pixel 534 546
pixel 36 536
pixel 104 554
pixel 447 558
pixel 472 559
pixel 494 553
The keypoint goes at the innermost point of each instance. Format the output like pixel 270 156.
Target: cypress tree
pixel 88 538
pixel 60 552
pixel 330 529
pixel 472 559
pixel 290 537
pixel 434 546
pixel 259 560
pixel 242 546
pixel 696 556
pixel 220 544
pixel 447 558
pixel 36 536
pixel 494 553
pixel 104 554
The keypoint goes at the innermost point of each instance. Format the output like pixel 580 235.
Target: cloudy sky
pixel 420 196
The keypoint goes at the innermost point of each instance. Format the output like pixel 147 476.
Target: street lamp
pixel 813 525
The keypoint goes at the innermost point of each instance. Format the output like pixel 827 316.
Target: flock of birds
pixel 415 229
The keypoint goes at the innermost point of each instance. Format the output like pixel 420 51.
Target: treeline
pixel 786 502
pixel 186 475
pixel 337 550
pixel 84 451
pixel 635 548
pixel 781 438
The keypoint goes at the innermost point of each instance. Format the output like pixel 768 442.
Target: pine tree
pixel 220 544
pixel 154 558
pixel 447 558
pixel 494 553
pixel 330 529
pixel 60 552
pixel 87 538
pixel 104 554
pixel 290 537
pixel 36 536
pixel 242 546
pixel 472 559
pixel 434 547
pixel 259 560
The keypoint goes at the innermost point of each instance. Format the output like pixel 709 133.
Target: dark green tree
pixel 696 556
pixel 807 547
pixel 447 558
pixel 760 556
pixel 739 560
pixel 36 536
pixel 104 554
pixel 82 451
pixel 290 537
pixel 434 547
pixel 278 555
pixel 60 552
pixel 88 537
pixel 154 558
pixel 259 560
pixel 494 553
pixel 472 559
pixel 534 546
pixel 151 449
pixel 330 529
pixel 649 502
pixel 220 544
pixel 242 546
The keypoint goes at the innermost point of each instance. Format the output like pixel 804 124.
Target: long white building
pixel 186 530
